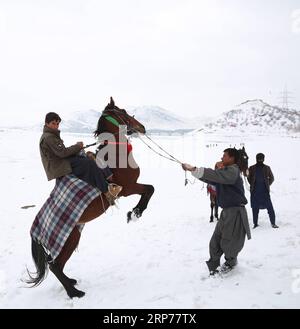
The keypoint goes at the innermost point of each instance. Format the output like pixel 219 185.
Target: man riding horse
pixel 59 160
pixel 56 230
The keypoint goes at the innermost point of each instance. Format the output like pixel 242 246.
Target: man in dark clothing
pixel 232 227
pixel 59 160
pixel 260 179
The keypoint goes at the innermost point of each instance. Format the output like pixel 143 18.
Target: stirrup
pixel 110 198
pixel 114 189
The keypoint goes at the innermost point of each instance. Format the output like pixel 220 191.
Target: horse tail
pixel 40 258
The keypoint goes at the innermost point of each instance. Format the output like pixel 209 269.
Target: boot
pixel 112 193
pixel 225 268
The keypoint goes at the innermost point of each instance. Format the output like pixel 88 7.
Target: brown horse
pixel 211 189
pixel 112 117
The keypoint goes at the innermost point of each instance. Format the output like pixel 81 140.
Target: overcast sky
pixel 192 57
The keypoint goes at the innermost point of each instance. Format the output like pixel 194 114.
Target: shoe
pixel 275 226
pixel 112 193
pixel 225 268
pixel 255 226
pixel 213 273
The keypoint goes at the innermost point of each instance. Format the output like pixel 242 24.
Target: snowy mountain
pixel 81 121
pixel 256 116
pixel 252 116
pixel 154 118
pixel 157 119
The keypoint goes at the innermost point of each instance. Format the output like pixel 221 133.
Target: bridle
pixel 116 112
pixel 168 156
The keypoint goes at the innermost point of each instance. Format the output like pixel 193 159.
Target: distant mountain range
pixel 255 116
pixel 154 118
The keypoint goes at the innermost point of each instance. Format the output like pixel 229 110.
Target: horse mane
pixel 100 127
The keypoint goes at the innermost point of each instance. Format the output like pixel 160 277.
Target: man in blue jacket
pixel 232 227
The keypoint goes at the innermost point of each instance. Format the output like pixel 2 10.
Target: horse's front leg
pixel 146 192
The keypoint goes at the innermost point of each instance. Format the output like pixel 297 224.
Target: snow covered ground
pixel 158 262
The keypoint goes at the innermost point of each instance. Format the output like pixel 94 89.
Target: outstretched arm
pixel 227 175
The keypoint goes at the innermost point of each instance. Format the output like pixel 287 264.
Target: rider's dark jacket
pixel 54 154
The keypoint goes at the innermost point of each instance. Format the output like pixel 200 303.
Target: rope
pixel 186 181
pixel 170 155
pixel 152 149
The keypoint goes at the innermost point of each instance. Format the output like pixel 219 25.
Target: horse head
pixel 243 161
pixel 118 117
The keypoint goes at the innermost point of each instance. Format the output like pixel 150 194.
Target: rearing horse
pixel 126 172
pixel 112 117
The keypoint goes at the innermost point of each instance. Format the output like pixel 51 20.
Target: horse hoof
pixel 75 293
pixel 211 221
pixel 133 215
pixel 137 213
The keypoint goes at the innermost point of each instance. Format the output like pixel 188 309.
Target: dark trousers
pixel 87 170
pixel 271 213
pixel 228 238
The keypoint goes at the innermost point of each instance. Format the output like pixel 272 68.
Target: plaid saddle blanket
pixel 60 213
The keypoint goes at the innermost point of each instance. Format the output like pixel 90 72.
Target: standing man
pixel 232 227
pixel 260 179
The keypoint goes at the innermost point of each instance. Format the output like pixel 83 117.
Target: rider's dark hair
pixel 233 153
pixel 51 116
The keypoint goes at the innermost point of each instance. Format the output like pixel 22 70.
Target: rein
pixel 167 155
pixel 116 123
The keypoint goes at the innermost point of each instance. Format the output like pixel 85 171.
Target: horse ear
pixel 243 148
pixel 112 103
